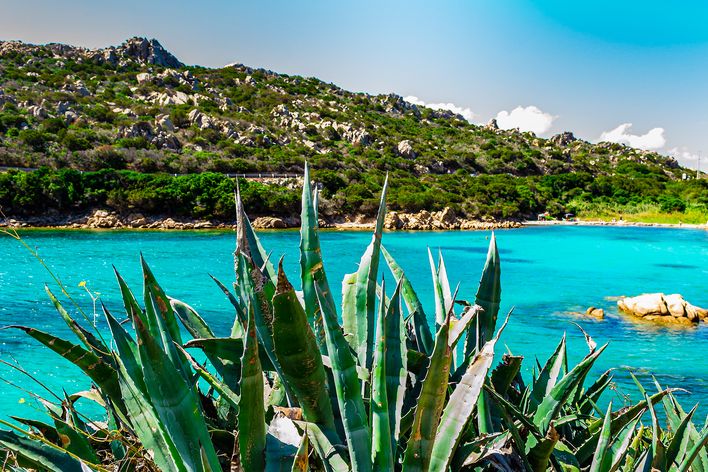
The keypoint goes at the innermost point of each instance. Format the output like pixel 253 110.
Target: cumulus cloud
pixel 528 118
pixel 653 139
pixel 683 155
pixel 465 112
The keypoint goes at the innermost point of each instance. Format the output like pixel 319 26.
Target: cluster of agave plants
pixel 290 388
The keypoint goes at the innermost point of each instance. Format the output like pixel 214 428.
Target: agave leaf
pixel 38 454
pixel 505 372
pixel 699 447
pixel 459 327
pixel 325 447
pixel 251 414
pixel 259 292
pixel 221 388
pixel 240 318
pixel 132 309
pixel 700 464
pixel 248 243
pixel 311 267
pixel 621 443
pixel 447 296
pixel 548 376
pixel 396 364
pixel 302 457
pixel 75 441
pixel 430 404
pixel 156 299
pixel 127 352
pixel 586 399
pixel 657 445
pixel 298 354
pixel 175 403
pixel 674 447
pixel 346 382
pixel 359 294
pixel 225 355
pixel 549 408
pixel 193 323
pixel 420 323
pixel 381 433
pixel 472 449
pixel 645 460
pixel 93 366
pixel 489 298
pixel 47 431
pixel 540 454
pixel 585 451
pixel 458 411
pixel 144 421
pixel 438 291
pixel 87 338
pixel 602 459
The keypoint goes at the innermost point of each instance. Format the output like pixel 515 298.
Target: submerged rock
pixel 663 308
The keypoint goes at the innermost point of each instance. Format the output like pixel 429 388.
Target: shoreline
pixel 616 224
pixel 111 222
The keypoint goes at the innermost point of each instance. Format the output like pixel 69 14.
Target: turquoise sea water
pixel 547 273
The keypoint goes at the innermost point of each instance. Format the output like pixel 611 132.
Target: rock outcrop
pixel 445 219
pixel 405 149
pixel 595 312
pixel 492 125
pixel 662 308
pixel 269 222
pixel 563 139
pixel 135 50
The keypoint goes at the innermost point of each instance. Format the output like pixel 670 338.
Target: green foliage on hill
pixel 63 108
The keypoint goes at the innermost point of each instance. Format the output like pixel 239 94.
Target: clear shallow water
pixel 547 273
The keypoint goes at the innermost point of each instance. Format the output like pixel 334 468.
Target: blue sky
pixel 628 71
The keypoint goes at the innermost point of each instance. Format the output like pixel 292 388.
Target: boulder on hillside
pixel 405 149
pixel 663 308
pixel 563 139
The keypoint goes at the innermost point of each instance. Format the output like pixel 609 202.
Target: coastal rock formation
pixel 269 222
pixel 595 312
pixel 103 219
pixel 445 219
pixel 662 308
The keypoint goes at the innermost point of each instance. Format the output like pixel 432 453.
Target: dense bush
pixel 210 194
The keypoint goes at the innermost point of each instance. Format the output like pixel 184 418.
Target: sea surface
pixel 548 275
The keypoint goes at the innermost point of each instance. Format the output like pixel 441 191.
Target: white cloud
pixel 653 139
pixel 528 118
pixel 465 112
pixel 684 156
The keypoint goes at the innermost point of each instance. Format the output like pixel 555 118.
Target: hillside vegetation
pixel 111 127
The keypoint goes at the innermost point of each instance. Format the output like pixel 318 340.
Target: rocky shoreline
pixel 106 219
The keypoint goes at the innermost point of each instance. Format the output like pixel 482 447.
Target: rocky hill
pixel 137 107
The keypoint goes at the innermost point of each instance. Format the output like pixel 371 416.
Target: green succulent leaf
pixel 359 294
pixel 298 354
pixel 251 414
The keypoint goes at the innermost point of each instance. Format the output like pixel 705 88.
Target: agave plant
pixel 290 388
